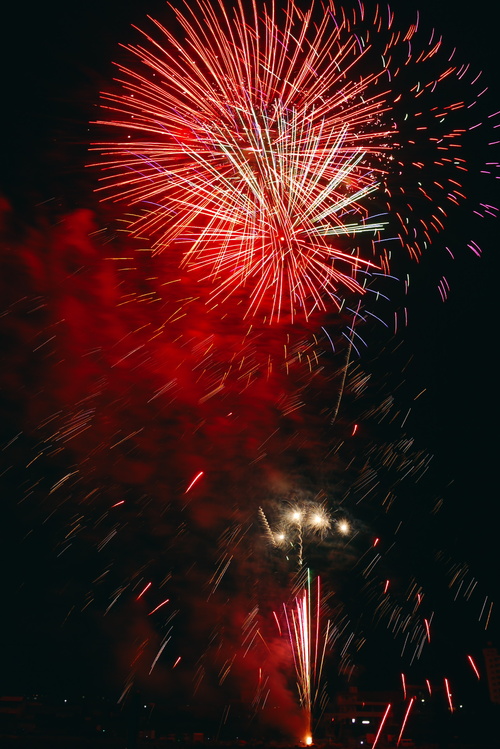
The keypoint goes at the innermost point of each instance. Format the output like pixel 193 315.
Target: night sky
pixel 104 424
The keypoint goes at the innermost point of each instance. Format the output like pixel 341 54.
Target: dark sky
pixel 57 59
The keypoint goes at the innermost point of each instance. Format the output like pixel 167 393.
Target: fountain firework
pixel 309 639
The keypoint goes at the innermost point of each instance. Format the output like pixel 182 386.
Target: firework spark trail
pixel 474 667
pixel 405 719
pixel 449 695
pixel 381 726
pixel 308 639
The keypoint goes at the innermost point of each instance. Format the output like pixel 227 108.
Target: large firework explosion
pixel 251 147
pixel 207 433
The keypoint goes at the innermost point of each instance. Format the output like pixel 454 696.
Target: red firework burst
pixel 251 142
pixel 252 146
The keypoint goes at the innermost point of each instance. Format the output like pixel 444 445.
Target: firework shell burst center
pixel 252 149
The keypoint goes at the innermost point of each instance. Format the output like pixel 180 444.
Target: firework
pixel 302 523
pixel 267 172
pixel 308 638
pixel 253 146
pixel 252 143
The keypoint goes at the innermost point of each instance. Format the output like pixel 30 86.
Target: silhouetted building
pixel 492 664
